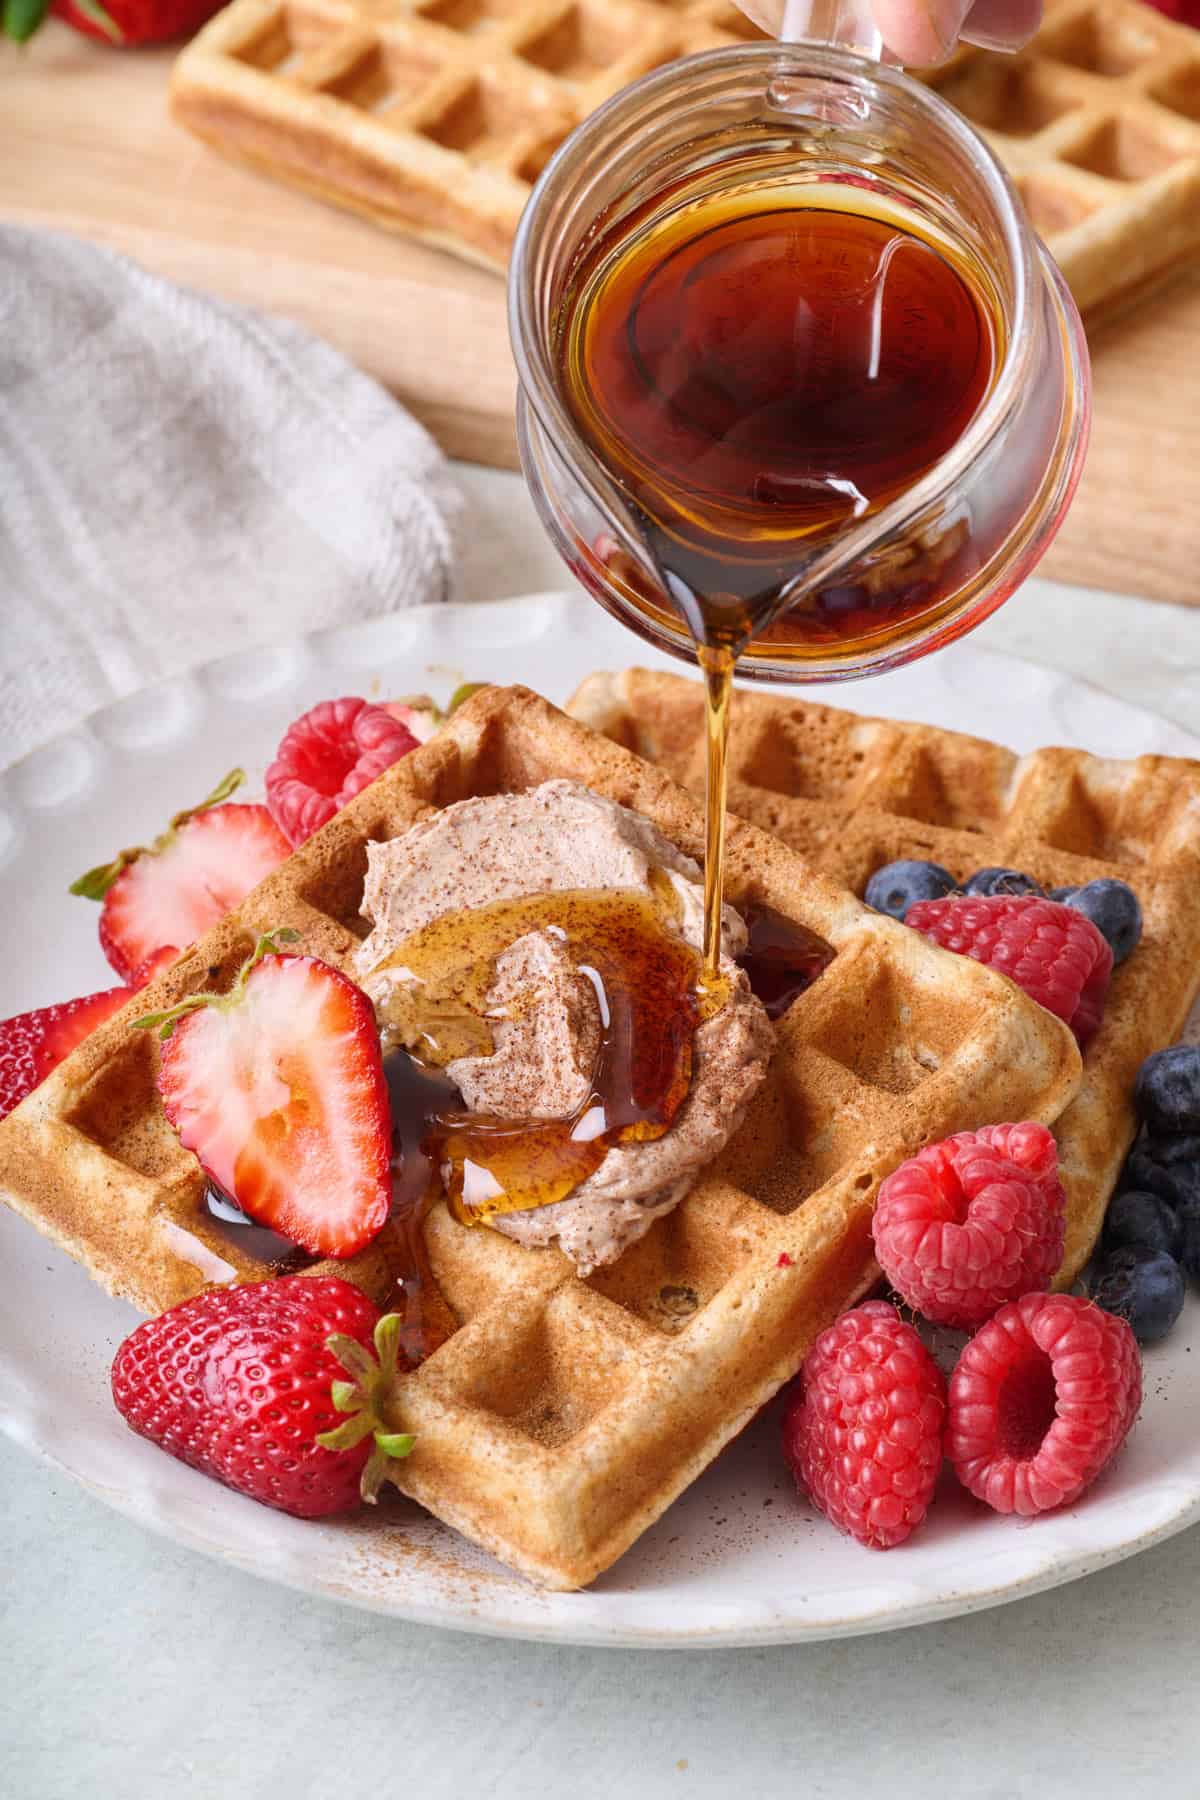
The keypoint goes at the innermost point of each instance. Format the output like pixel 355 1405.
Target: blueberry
pixel 1189 1226
pixel 899 885
pixel 1143 1286
pixel 1062 895
pixel 1169 1166
pixel 1114 910
pixel 1167 1090
pixel 1145 1220
pixel 1001 881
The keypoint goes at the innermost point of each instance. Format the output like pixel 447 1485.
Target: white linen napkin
pixel 180 479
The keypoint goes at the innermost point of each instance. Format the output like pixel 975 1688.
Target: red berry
pixel 974 1221
pixel 33 1043
pixel 329 755
pixel 863 1431
pixel 279 1089
pixel 171 891
pixel 1042 1398
pixel 130 22
pixel 238 1382
pixel 1054 953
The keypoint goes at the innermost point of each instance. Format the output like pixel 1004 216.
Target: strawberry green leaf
pixel 21 18
pixel 370 1395
pixel 96 883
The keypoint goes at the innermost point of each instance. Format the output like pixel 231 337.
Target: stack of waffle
pixel 563 1415
pixel 435 117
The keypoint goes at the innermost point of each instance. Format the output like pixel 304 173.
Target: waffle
pixel 563 1415
pixel 435 117
pixel 432 117
pixel 850 794
pixel 1098 122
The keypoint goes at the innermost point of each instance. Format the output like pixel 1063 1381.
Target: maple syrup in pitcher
pixel 760 373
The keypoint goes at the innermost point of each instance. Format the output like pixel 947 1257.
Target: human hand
pixel 920 32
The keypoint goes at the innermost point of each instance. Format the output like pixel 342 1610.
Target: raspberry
pixel 863 1431
pixel 329 755
pixel 1053 952
pixel 974 1221
pixel 1042 1398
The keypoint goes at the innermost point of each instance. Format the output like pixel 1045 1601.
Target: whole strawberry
pixel 247 1385
pixel 122 22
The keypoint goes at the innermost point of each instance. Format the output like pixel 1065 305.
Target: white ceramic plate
pixel 738 1560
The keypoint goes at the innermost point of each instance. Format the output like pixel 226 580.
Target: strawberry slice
pixel 33 1043
pixel 278 1087
pixel 206 861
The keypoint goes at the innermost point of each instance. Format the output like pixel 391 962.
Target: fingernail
pixel 946 20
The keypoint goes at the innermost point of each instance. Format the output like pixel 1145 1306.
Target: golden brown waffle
pixel 850 794
pixel 1098 121
pixel 435 117
pixel 563 1415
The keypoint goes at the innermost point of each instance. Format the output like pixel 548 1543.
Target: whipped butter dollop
pixel 562 836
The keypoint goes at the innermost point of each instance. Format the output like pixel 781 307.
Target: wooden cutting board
pixel 86 146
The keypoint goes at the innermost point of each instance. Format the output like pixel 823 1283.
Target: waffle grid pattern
pixel 849 794
pixel 1098 121
pixel 436 116
pixel 562 1416
pixel 432 116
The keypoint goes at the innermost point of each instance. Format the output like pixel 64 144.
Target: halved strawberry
pixel 33 1043
pixel 278 1087
pixel 206 861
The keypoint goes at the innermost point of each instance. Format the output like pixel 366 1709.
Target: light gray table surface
pixel 132 1668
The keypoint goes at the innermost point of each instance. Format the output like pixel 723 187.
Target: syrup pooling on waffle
pixel 851 794
pixel 436 118
pixel 596 1400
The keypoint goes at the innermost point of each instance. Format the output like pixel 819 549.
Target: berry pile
pixel 1151 1239
pixel 970 1234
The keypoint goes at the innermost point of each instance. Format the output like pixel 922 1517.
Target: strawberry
pixel 122 22
pixel 417 713
pixel 33 1043
pixel 278 1087
pixel 245 1384
pixel 209 858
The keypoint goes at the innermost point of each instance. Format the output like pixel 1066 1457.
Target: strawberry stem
pixel 96 15
pixel 366 1398
pixel 462 693
pixel 165 1022
pixel 96 882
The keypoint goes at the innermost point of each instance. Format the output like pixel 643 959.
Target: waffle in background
pixel 563 1415
pixel 1098 121
pixel 850 794
pixel 435 117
